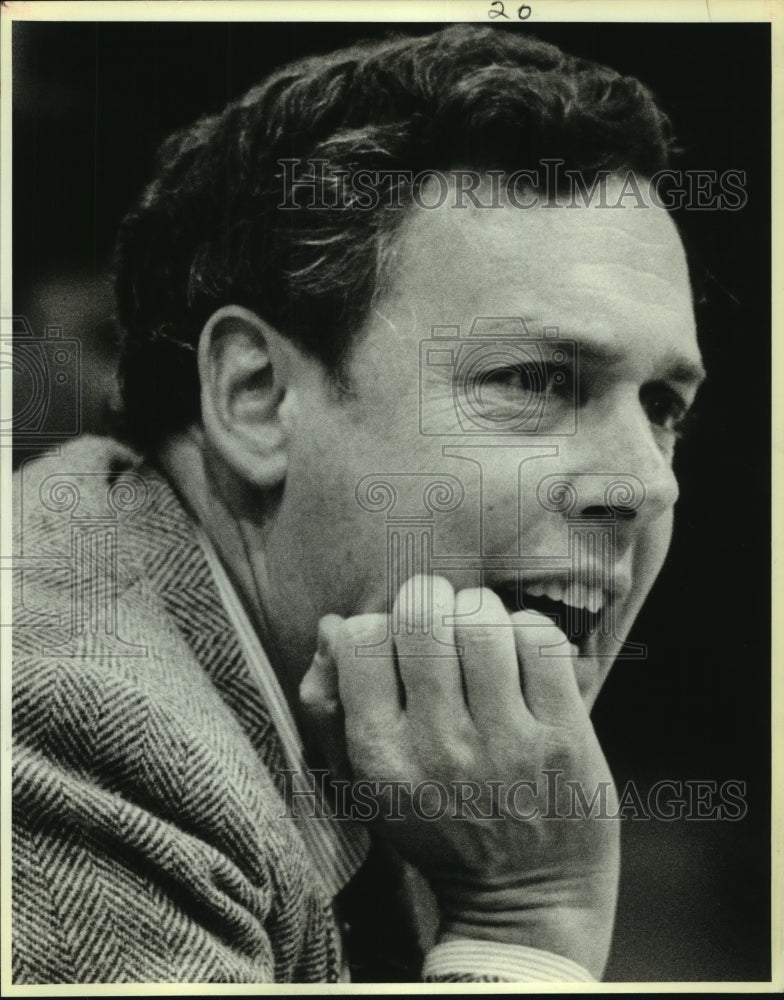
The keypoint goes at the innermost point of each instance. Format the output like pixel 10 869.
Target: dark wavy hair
pixel 208 231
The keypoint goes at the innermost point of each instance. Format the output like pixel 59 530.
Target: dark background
pixel 92 102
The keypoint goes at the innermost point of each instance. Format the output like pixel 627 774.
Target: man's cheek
pixel 649 555
pixel 651 550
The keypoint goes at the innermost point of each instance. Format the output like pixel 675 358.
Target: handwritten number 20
pixel 523 11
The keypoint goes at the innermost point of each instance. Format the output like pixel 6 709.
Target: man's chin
pixel 593 664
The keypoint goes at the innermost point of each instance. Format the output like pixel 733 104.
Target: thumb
pixel 320 700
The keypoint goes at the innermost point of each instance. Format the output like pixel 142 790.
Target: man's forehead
pixel 458 237
pixel 581 268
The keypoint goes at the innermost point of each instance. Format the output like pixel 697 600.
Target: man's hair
pixel 208 230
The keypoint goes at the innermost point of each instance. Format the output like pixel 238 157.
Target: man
pixel 403 417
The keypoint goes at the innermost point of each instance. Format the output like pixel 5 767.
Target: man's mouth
pixel 576 609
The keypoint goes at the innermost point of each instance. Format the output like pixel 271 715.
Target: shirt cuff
pixel 511 963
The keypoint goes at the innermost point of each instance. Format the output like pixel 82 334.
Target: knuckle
pixel 482 634
pixel 483 607
pixel 443 591
pixel 491 605
pixel 533 631
pixel 377 750
pixel 422 597
pixel 448 750
pixel 356 631
pixel 532 623
pixel 317 705
pixel 468 599
pixel 486 633
pixel 563 744
pixel 310 693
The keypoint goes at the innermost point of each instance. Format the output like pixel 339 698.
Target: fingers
pixel 323 711
pixel 491 665
pixel 548 681
pixel 362 653
pixel 485 635
pixel 426 654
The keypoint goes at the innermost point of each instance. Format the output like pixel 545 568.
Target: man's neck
pixel 182 461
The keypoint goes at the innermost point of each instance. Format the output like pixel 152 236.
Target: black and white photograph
pixel 387 496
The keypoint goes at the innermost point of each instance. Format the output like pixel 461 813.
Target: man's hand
pixel 489 732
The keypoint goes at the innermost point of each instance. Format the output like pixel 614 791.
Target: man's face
pixel 525 439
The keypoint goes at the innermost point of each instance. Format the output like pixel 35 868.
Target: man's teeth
pixel 580 595
pixel 575 593
pixel 551 589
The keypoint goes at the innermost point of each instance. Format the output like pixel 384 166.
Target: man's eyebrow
pixel 682 370
pixel 593 349
pixel 676 367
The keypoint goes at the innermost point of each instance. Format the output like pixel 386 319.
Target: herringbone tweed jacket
pixel 148 839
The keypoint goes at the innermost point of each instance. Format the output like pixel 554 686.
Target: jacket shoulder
pixel 150 842
pixel 149 837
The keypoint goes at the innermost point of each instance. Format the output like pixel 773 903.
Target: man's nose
pixel 616 468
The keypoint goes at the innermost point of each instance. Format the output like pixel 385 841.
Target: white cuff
pixel 513 963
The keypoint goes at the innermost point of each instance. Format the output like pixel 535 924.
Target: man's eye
pixel 665 407
pixel 536 378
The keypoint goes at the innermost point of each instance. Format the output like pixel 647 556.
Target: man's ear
pixel 243 370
